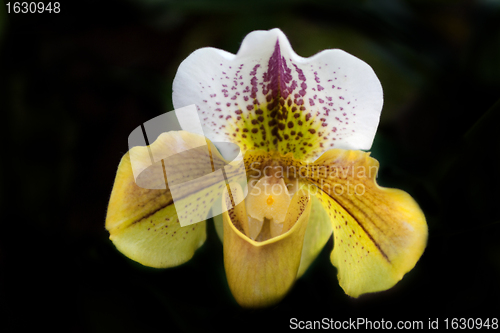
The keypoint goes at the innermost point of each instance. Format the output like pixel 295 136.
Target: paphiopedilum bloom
pixel 300 124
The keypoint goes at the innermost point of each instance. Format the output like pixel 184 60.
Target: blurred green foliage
pixel 74 85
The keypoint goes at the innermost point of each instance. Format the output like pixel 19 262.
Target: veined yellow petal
pixel 261 273
pixel 143 223
pixel 380 233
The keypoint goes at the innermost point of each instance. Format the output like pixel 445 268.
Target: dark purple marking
pixel 254 90
pixel 278 76
pixel 302 92
pixel 316 78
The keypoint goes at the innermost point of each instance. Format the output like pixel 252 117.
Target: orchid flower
pixel 301 125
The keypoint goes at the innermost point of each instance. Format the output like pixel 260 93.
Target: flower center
pixel 268 198
pixel 267 204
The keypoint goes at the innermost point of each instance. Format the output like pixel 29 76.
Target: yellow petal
pixel 143 223
pixel 319 230
pixel 218 223
pixel 380 233
pixel 261 273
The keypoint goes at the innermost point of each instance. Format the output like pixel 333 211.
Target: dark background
pixel 75 84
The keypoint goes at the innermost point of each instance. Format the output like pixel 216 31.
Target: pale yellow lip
pixel 260 273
